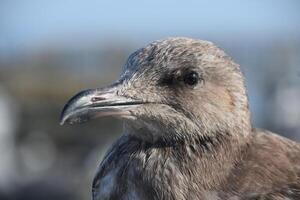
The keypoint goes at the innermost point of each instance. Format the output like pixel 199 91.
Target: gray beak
pixel 94 103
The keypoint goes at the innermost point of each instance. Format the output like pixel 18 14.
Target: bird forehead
pixel 169 53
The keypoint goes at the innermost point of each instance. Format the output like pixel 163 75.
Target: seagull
pixel 187 130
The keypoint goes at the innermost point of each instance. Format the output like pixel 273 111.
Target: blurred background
pixel 49 50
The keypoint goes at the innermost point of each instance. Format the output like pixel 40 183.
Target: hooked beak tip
pixel 62 116
pixel 73 105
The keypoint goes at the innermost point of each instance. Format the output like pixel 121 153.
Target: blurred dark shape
pixel 45 190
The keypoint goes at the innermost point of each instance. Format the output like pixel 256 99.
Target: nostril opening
pixel 95 99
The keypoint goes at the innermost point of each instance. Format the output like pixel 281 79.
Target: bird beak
pixel 94 103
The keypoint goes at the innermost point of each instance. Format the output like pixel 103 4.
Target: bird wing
pixel 107 178
pixel 270 168
pixel 290 192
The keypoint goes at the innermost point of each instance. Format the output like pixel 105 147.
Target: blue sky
pixel 34 22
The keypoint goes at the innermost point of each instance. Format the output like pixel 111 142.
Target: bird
pixel 187 130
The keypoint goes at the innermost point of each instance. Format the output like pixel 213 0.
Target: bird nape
pixel 187 131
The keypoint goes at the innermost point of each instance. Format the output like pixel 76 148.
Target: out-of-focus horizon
pixel 49 50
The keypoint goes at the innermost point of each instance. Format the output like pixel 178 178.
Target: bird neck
pixel 202 155
pixel 207 160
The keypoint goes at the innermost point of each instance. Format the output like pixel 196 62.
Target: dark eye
pixel 191 78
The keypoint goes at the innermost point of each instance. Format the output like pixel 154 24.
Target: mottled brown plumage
pixel 187 131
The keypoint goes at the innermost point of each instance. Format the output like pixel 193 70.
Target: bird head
pixel 170 90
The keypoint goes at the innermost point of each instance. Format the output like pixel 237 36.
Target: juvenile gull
pixel 187 131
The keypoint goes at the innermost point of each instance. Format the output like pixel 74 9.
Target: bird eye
pixel 191 78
